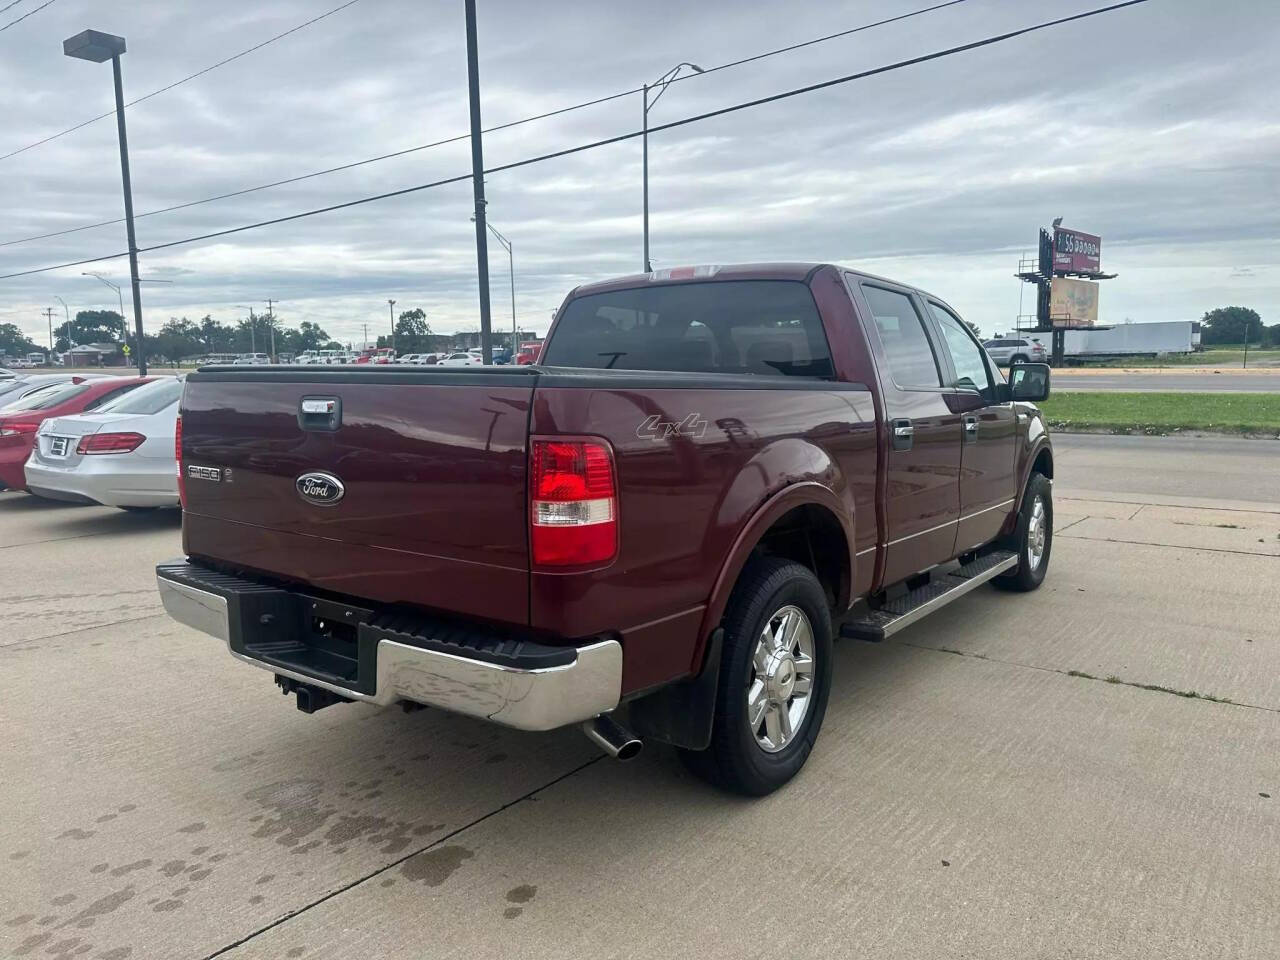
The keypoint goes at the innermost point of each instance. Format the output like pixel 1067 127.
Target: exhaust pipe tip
pixel 611 737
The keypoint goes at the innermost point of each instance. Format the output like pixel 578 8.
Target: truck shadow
pixel 89 521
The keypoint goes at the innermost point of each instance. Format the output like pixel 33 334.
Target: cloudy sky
pixel 1154 126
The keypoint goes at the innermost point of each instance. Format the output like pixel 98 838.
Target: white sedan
pixel 462 360
pixel 120 455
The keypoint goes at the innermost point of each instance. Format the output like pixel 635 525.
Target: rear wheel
pixel 1032 537
pixel 775 675
pixel 1017 358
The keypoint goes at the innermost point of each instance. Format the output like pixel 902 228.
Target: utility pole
pixel 253 339
pixel 271 322
pixel 391 306
pixel 477 182
pixel 365 346
pixel 67 329
pixel 48 315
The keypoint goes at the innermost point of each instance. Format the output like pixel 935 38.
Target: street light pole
pixel 661 85
pixel 391 307
pixel 511 266
pixel 97 47
pixel 66 330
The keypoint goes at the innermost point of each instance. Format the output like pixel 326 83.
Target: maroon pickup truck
pixel 655 531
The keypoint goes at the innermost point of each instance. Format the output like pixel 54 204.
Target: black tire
pixel 1017 358
pixel 138 509
pixel 736 760
pixel 1028 575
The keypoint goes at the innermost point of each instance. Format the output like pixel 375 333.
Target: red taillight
pixel 18 429
pixel 109 443
pixel 573 503
pixel 177 457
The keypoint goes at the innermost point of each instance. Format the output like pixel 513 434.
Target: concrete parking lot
pixel 1021 776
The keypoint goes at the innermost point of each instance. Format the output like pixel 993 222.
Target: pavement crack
pixel 1062 530
pixel 92 626
pixel 221 951
pixel 1174 546
pixel 1081 675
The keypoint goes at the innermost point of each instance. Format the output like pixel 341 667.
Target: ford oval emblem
pixel 321 488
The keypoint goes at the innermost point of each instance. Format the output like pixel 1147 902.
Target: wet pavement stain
pixel 199 851
pixel 198 875
pixel 512 912
pixel 434 867
pixel 65 947
pixel 127 808
pixel 295 951
pixel 75 833
pixel 106 818
pixel 256 899
pixel 389 882
pixel 130 867
pixel 522 894
pixel 18 854
pixel 20 920
pixel 192 827
pixel 425 828
pixel 173 867
pixel 98 867
pixel 295 805
pixel 116 953
pixel 164 906
pixel 32 942
pixel 103 905
pixel 496 758
pixel 63 900
pixel 217 858
pixel 266 878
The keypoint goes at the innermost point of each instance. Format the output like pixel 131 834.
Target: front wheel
pixel 775 675
pixel 1032 537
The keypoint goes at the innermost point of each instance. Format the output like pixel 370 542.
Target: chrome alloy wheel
pixel 1037 531
pixel 781 683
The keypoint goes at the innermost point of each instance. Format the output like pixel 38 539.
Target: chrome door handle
pixel 970 428
pixel 903 434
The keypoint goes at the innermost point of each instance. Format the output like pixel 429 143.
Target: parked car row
pixel 90 438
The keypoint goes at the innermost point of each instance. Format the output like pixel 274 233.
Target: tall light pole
pixel 511 263
pixel 66 330
pixel 271 325
pixel 253 322
pixel 120 297
pixel 391 307
pixel 661 86
pixel 98 47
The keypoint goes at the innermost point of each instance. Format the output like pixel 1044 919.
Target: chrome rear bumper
pixel 527 699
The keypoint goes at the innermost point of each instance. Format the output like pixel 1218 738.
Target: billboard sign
pixel 1073 303
pixel 1076 252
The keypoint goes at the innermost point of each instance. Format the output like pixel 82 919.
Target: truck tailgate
pixel 431 466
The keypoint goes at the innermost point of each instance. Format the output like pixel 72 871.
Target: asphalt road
pixel 1199 381
pixel 975 792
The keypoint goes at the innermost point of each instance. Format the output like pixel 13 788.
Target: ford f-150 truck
pixel 654 531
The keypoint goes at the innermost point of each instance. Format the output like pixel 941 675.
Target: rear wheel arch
pixel 826 547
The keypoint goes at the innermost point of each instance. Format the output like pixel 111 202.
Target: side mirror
pixel 1029 381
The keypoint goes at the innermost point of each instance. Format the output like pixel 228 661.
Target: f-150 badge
pixel 655 428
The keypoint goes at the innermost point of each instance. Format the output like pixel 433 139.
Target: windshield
pixel 766 327
pixel 146 399
pixel 46 397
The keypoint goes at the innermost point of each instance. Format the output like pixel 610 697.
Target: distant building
pixel 94 355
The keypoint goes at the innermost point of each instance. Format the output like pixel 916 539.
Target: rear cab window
pixel 766 327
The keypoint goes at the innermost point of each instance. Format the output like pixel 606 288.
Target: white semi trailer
pixel 1131 340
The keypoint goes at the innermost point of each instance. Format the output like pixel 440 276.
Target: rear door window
pixel 902 334
pixel 47 397
pixel 147 399
pixel 768 327
pixel 107 397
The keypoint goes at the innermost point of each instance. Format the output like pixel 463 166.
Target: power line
pixel 10 6
pixel 745 105
pixel 23 17
pixel 465 136
pixel 176 83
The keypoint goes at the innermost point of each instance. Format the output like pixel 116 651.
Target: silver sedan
pixel 120 455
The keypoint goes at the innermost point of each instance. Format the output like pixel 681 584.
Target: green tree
pixel 1230 325
pixel 94 326
pixel 13 342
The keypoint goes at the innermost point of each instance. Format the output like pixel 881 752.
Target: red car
pixel 20 420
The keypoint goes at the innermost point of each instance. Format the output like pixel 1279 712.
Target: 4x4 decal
pixel 655 428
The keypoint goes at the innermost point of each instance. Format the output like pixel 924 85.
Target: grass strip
pixel 1162 413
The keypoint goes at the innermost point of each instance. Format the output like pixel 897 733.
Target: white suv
pixel 1010 350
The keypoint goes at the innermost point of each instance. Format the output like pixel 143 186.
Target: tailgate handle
pixel 320 413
